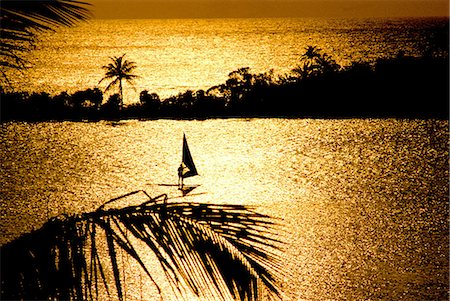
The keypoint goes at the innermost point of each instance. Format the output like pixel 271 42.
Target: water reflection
pixel 178 55
pixel 364 201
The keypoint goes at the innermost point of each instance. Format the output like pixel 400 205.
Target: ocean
pixel 173 56
pixel 362 204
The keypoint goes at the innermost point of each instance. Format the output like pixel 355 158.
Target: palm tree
pixel 217 252
pixel 311 53
pixel 315 63
pixel 21 20
pixel 118 70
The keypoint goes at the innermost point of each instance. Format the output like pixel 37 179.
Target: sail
pixel 187 163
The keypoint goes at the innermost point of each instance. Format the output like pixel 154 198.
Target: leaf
pixel 21 20
pixel 217 252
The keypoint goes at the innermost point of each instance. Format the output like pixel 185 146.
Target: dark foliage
pixel 86 104
pixel 400 87
pixel 213 251
pixel 22 19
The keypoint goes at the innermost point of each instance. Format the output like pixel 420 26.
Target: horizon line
pixel 268 17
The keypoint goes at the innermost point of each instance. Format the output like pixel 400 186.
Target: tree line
pixel 402 87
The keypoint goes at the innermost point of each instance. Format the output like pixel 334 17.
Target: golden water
pixel 175 55
pixel 364 203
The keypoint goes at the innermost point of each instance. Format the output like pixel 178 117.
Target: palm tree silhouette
pixel 311 53
pixel 21 20
pixel 217 252
pixel 117 71
pixel 315 63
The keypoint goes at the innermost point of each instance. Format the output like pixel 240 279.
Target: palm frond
pixel 22 19
pixel 214 251
pixel 110 67
pixel 43 14
pixel 108 75
pixel 112 84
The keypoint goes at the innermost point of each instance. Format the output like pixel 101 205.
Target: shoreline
pixel 401 87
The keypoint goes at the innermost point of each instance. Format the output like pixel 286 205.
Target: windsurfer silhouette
pixel 187 167
pixel 180 176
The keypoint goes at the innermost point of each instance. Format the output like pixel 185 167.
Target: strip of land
pixel 399 87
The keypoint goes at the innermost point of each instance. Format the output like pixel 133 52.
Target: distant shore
pixel 400 87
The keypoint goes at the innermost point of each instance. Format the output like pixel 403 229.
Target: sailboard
pixel 187 168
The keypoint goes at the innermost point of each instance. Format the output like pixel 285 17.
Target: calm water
pixel 175 55
pixel 364 202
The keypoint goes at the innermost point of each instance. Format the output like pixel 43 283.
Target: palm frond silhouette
pixel 22 20
pixel 214 251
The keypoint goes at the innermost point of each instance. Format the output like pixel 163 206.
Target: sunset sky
pixel 266 8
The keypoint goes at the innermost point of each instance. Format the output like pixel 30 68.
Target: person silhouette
pixel 180 176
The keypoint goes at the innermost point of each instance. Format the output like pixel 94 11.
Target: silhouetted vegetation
pixel 86 104
pixel 22 20
pixel 117 71
pixel 402 87
pixel 213 251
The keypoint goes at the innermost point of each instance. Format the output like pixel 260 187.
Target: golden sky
pixel 267 8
